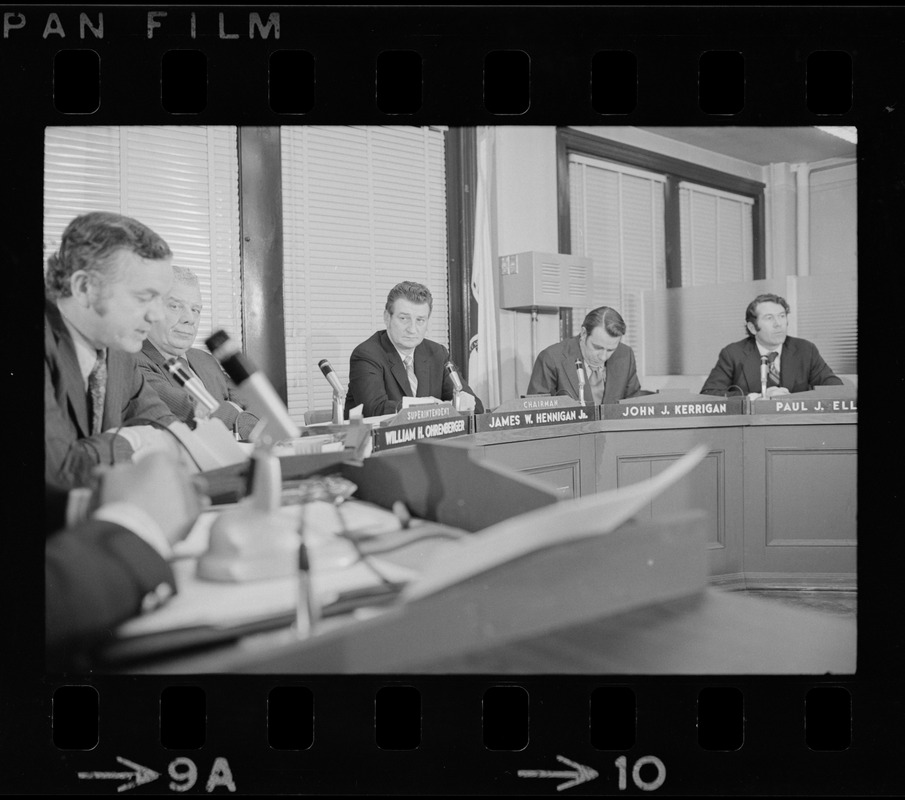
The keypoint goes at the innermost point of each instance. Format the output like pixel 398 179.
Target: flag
pixel 483 349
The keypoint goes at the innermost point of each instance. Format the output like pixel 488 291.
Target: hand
pixel 159 486
pixel 775 391
pixel 148 439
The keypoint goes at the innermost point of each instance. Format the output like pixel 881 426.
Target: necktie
pixel 773 377
pixel 97 390
pixel 410 371
pixel 597 380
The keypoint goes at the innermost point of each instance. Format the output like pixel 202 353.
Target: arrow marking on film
pixel 578 774
pixel 136 777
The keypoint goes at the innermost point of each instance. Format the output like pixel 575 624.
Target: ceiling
pixel 763 145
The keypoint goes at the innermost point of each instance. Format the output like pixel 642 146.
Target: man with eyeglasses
pixel 172 336
pixel 399 361
pixel 793 365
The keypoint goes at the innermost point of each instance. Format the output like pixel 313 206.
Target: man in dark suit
pixel 796 366
pixel 172 336
pixel 112 565
pixel 104 289
pixel 608 365
pixel 399 361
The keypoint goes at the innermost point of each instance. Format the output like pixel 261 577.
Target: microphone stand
pixel 580 368
pixel 339 404
pixel 763 377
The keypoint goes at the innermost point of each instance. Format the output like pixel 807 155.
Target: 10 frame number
pixel 647 786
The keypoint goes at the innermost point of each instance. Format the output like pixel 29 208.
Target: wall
pixel 525 218
pixel 833 225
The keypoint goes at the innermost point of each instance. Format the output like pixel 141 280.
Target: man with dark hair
pixel 172 336
pixel 399 361
pixel 794 365
pixel 104 290
pixel 608 364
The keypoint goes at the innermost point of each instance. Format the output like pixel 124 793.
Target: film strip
pixel 490 731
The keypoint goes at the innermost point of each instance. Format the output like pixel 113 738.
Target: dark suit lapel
pixel 615 376
pixel 209 371
pixel 72 381
pixel 751 366
pixel 572 352
pixel 397 368
pixel 788 363
pixel 157 358
pixel 423 370
pixel 120 367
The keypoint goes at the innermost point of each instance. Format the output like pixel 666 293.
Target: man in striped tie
pixel 104 288
pixel 793 364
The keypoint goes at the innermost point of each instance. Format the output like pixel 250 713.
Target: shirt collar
pixel 766 350
pixel 85 352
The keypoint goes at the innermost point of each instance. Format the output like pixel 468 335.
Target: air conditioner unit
pixel 545 281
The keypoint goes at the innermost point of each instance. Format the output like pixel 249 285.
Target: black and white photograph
pixel 452 400
pixel 499 399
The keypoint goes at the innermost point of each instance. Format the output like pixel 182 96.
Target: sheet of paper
pixel 594 515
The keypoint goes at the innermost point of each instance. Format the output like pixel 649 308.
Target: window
pixel 617 221
pixel 716 235
pixel 181 181
pixel 363 208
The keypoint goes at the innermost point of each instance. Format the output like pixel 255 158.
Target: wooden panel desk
pixel 781 491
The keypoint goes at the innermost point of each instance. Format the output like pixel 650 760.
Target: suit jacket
pixel 377 376
pixel 96 575
pixel 70 452
pixel 152 363
pixel 800 364
pixel 554 372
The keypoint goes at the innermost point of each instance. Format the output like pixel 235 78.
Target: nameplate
pixel 789 404
pixel 537 402
pixel 402 435
pixel 717 407
pixel 534 419
pixel 422 413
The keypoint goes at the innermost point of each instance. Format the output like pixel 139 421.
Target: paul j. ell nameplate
pixel 436 421
pixel 820 400
pixel 534 411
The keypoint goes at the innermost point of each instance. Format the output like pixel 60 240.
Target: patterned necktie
pixel 97 390
pixel 410 371
pixel 773 377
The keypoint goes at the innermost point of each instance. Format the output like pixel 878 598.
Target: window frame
pixel 569 141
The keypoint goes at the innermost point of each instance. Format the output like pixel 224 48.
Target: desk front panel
pixel 716 485
pixel 800 502
pixel 780 491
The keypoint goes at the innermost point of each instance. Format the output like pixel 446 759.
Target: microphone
pixel 207 404
pixel 454 376
pixel 330 375
pixel 252 381
pixel 764 370
pixel 580 368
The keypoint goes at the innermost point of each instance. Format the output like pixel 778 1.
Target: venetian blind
pixel 617 220
pixel 181 181
pixel 363 209
pixel 716 235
